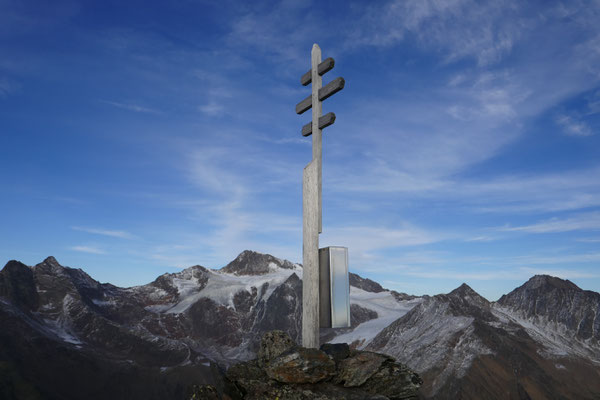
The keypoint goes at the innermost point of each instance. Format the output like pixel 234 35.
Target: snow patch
pixel 105 303
pixel 221 287
pixel 388 310
pixel 159 308
pixel 61 329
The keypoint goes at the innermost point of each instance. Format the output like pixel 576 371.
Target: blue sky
pixel 140 137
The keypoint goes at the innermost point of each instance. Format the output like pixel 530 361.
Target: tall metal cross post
pixel 312 220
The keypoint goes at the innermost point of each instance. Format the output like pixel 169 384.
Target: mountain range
pixel 66 336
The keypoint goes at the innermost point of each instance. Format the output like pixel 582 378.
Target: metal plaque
pixel 334 288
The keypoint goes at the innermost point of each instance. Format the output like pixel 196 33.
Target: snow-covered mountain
pixel 527 345
pixel 541 340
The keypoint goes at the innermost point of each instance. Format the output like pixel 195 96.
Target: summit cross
pixel 312 215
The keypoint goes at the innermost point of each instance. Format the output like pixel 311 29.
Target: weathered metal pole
pixel 312 216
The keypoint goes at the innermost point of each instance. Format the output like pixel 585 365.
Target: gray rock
pixel 395 381
pixel 272 345
pixel 355 370
pixel 249 378
pixel 205 392
pixel 301 365
pixel 286 371
pixel 337 351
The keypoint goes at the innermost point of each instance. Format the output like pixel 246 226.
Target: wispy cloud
pixel 209 169
pixel 232 182
pixel 131 107
pixel 87 249
pixel 462 275
pixel 367 243
pixel 589 240
pixel 511 194
pixel 368 238
pixel 7 87
pixel 574 127
pixel 212 108
pixel 105 232
pixel 486 31
pixel 445 130
pixel 270 32
pixel 523 273
pixel 482 238
pixel 585 221
pixel 555 259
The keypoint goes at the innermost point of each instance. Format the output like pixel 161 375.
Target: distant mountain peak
pixel 557 300
pixel 15 265
pixel 465 290
pixel 50 264
pixel 254 263
pixel 249 253
pixel 17 284
pixel 465 300
pixel 547 280
pixel 52 261
pixel 365 283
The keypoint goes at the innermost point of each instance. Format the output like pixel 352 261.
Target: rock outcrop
pixel 286 371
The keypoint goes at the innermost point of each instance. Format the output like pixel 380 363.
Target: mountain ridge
pixel 195 318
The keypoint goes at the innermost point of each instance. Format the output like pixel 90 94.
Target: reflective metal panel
pixel 334 288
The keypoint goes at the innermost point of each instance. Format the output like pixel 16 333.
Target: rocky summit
pixel 286 371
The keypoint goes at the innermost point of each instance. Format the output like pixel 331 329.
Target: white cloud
pixel 589 240
pixel 482 238
pixel 574 127
pixel 557 259
pixel 131 107
pixel 87 249
pixel 585 221
pixel 271 33
pixel 522 273
pixel 366 243
pixel 549 192
pixel 105 232
pixel 233 183
pixel 486 32
pixel 368 238
pixel 212 108
pixel 461 275
pixel 210 168
pixel 442 131
pixel 7 87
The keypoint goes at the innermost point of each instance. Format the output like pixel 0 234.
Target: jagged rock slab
pixel 272 345
pixel 313 374
pixel 301 365
pixel 355 370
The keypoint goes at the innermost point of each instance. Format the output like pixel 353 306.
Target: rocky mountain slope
pixel 533 343
pixel 61 327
